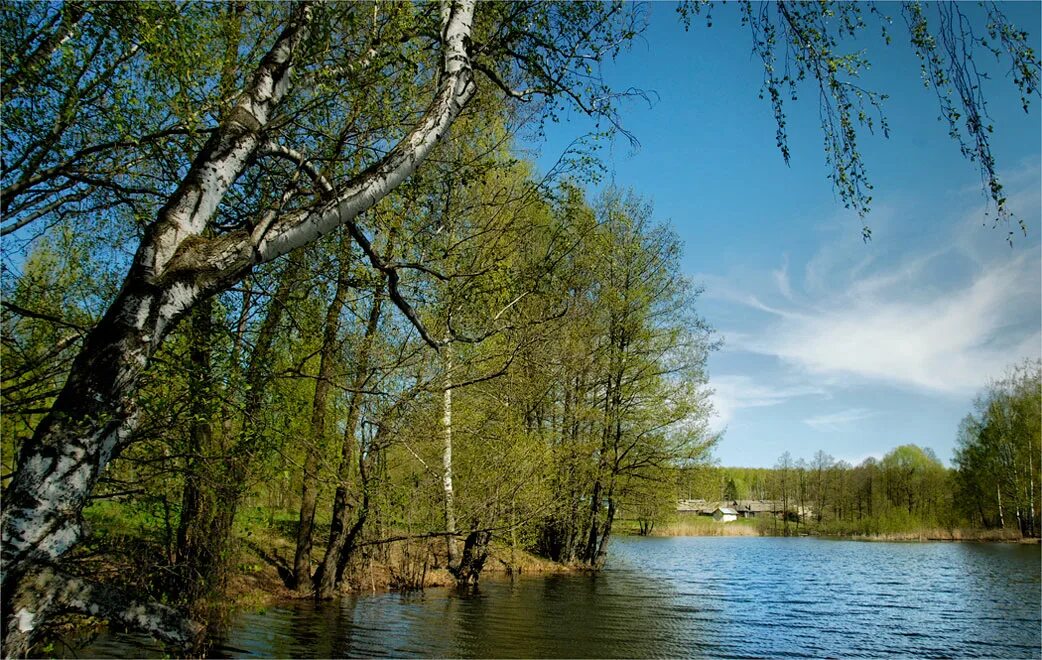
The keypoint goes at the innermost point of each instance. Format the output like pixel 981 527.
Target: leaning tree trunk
pixel 590 550
pixel 222 474
pixel 94 414
pixel 472 560
pixel 362 515
pixel 367 459
pixel 59 466
pixel 320 405
pixel 602 548
pixel 596 501
pixel 174 269
pixel 326 577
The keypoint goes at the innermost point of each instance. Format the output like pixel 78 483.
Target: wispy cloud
pixel 941 313
pixel 734 392
pixel 903 328
pixel 933 308
pixel 838 420
pixel 781 278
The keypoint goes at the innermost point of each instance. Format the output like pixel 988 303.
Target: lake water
pixel 689 596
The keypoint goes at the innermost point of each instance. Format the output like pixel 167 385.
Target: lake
pixel 688 596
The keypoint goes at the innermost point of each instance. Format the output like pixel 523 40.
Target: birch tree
pixel 998 453
pixel 181 260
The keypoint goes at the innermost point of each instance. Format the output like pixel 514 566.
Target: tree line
pixel 997 458
pixel 993 482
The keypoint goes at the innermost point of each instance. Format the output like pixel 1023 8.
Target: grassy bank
pixel 933 534
pixel 416 563
pixel 705 526
pixel 264 551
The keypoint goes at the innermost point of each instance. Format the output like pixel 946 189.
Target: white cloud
pixel 781 278
pixel 734 392
pixel 939 306
pixel 838 420
pixel 895 327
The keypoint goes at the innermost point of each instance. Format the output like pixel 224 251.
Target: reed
pixel 941 534
pixel 702 526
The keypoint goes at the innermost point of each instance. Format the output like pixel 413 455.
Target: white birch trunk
pixel 174 269
pixel 1031 490
pixel 93 415
pixel 998 499
pixel 446 461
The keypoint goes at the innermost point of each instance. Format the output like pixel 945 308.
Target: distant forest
pixel 993 484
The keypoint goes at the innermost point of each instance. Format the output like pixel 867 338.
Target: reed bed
pixel 707 527
pixel 940 534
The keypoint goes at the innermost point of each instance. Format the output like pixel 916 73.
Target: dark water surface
pixel 690 596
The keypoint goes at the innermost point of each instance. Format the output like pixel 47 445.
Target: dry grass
pixel 501 560
pixel 940 534
pixel 702 526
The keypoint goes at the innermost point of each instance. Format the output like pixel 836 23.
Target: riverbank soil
pixel 132 548
pixel 404 565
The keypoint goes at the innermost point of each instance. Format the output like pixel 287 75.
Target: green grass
pixel 134 519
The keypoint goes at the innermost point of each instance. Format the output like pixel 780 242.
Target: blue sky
pixel 831 343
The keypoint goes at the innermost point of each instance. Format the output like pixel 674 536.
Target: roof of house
pixel 756 506
pixel 691 505
pixel 727 511
pixel 738 506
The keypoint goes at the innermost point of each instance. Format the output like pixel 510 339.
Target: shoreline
pixel 258 584
pixel 698 527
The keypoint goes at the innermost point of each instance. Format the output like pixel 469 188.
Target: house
pixel 756 508
pixel 725 514
pixel 695 507
pixel 741 508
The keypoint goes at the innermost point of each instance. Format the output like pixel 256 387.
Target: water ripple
pixel 686 597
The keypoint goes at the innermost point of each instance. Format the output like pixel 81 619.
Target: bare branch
pixel 28 313
pixel 271 148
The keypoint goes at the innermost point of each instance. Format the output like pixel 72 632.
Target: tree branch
pixel 28 313
pixel 271 148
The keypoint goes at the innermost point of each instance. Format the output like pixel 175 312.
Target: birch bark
pixel 446 463
pixel 175 268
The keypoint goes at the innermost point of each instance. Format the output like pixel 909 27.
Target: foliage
pixel 907 491
pixel 998 453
